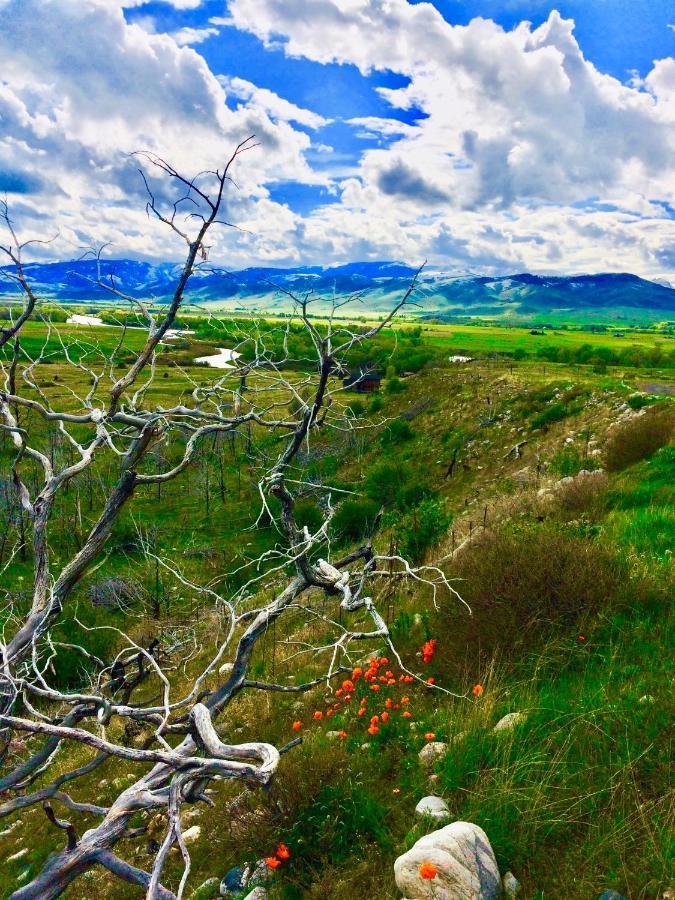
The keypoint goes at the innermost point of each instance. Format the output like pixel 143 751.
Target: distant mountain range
pixel 443 295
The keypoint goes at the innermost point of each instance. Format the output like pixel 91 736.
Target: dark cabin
pixel 363 382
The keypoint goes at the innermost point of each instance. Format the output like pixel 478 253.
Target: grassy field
pixel 570 589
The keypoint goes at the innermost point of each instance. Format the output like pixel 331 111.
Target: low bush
pixel 521 581
pixel 639 437
pixel 396 432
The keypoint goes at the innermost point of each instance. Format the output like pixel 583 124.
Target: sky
pixel 486 136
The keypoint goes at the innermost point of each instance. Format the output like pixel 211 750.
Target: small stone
pixel 509 721
pixel 431 752
pixel 258 893
pixel 192 834
pixel 433 808
pixel 226 667
pixel 612 895
pixel 511 885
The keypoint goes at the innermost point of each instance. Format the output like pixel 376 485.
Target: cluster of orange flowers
pixel 281 855
pixel 428 650
pixel 378 676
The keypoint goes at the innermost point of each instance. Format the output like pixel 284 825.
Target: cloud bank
pixel 515 152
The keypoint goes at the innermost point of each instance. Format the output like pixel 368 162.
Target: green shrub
pixel 567 461
pixel 354 519
pixel 555 412
pixel 422 528
pixel 396 432
pixel 395 385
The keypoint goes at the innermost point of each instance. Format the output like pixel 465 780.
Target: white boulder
pixel 509 721
pixel 466 868
pixel 432 752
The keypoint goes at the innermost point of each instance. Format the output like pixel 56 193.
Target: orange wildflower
pixel 385 716
pixel 477 690
pixel 429 736
pixel 342 734
pixel 348 686
pixel 581 637
pixel 389 674
pixel 431 681
pixel 329 713
pixel 374 687
pixel 283 852
pixel 374 720
pixel 273 862
pixel 363 701
pixel 373 729
pixel 362 711
pixel 405 700
pixel 392 681
pixel 384 661
pixel 356 673
pixel 318 715
pixel 428 871
pixel 388 703
pixel 296 726
pixel 406 714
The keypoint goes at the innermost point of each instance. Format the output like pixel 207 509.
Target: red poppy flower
pixel 283 852
pixel 373 729
pixel 296 726
pixel 405 700
pixel 329 713
pixel 388 703
pixel 348 686
pixel 384 661
pixel 374 720
pixel 429 736
pixel 318 715
pixel 406 714
pixel 385 716
pixel 374 687
pixel 581 637
pixel 428 871
pixel 356 673
pixel 342 734
pixel 478 690
pixel 273 862
pixel 431 681
pixel 362 711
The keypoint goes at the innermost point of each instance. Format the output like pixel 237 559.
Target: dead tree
pixel 113 416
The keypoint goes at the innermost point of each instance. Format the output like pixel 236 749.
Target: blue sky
pixel 488 135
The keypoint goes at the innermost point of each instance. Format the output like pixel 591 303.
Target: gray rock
pixel 511 885
pixel 611 895
pixel 433 808
pixel 466 866
pixel 432 752
pixel 192 834
pixel 509 721
pixel 258 893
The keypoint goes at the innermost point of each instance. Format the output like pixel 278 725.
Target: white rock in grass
pixel 509 721
pixel 192 834
pixel 258 893
pixel 432 752
pixel 433 808
pixel 466 866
